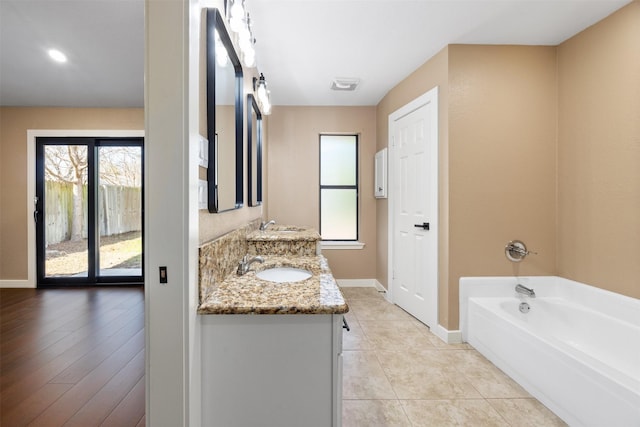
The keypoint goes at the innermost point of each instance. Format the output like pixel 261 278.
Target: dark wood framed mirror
pixel 254 151
pixel 224 117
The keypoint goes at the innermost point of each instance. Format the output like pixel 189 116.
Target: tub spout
pixel 525 291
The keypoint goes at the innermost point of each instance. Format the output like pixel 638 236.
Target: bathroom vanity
pixel 272 350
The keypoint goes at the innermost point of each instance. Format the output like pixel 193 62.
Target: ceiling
pixel 302 45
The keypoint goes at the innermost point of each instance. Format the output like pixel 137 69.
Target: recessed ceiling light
pixel 345 84
pixel 57 56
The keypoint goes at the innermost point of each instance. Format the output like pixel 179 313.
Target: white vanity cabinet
pixel 275 370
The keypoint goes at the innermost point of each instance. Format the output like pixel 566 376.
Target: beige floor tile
pixel 394 335
pixel 468 413
pixel 370 413
pixel 434 384
pixel 471 359
pixel 355 339
pixel 353 293
pixel 413 361
pixel 438 343
pixel 377 309
pixel 350 316
pixel 490 381
pixel 526 413
pixel 390 355
pixel 363 377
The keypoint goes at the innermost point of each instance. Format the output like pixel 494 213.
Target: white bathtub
pixel 577 350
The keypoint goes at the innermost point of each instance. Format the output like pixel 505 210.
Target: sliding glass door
pixel 88 210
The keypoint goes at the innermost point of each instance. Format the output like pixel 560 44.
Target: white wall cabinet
pixel 272 370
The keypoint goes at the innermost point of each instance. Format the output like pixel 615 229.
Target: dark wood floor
pixel 72 357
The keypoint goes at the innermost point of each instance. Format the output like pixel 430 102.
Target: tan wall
pixel 14 123
pixel 599 154
pixel 293 194
pixel 497 161
pixel 433 73
pixel 502 144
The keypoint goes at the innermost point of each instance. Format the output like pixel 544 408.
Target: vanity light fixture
pixel 263 94
pixel 57 56
pixel 240 23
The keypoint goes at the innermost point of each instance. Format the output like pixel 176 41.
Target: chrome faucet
pixel 264 225
pixel 245 263
pixel 525 291
pixel 516 251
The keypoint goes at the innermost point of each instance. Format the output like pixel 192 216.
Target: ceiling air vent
pixel 345 84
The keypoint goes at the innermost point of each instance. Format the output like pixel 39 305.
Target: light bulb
pixel 250 58
pixel 262 91
pixel 237 16
pixel 235 24
pixel 244 33
pixel 237 10
pixel 245 44
pixel 266 107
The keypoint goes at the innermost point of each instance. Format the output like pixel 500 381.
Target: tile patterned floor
pixel 397 373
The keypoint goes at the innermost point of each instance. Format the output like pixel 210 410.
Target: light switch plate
pixel 203 186
pixel 203 153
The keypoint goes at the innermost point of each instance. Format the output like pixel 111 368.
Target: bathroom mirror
pixel 254 151
pixel 224 118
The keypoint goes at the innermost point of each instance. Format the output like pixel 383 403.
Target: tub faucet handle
pixel 516 251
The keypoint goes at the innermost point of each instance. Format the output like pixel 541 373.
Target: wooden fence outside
pixel 119 210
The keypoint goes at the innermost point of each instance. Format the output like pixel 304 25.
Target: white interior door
pixel 414 207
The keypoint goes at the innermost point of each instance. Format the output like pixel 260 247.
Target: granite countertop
pixel 247 294
pixel 284 233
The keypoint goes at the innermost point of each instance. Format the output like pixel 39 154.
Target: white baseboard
pixel 450 337
pixel 25 284
pixel 380 288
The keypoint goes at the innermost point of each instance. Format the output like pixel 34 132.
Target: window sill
pixel 330 245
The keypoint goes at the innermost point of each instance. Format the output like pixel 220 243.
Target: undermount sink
pixel 283 274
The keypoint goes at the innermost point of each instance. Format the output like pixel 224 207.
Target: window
pixel 339 187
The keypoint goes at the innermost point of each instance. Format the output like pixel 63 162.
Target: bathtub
pixel 577 350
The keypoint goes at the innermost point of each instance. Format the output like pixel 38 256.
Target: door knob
pixel 424 226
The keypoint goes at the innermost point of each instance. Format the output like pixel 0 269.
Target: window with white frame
pixel 339 187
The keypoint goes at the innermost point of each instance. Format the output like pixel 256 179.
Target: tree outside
pixel 119 208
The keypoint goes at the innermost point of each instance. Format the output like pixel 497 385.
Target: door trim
pixel 32 134
pixel 429 96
